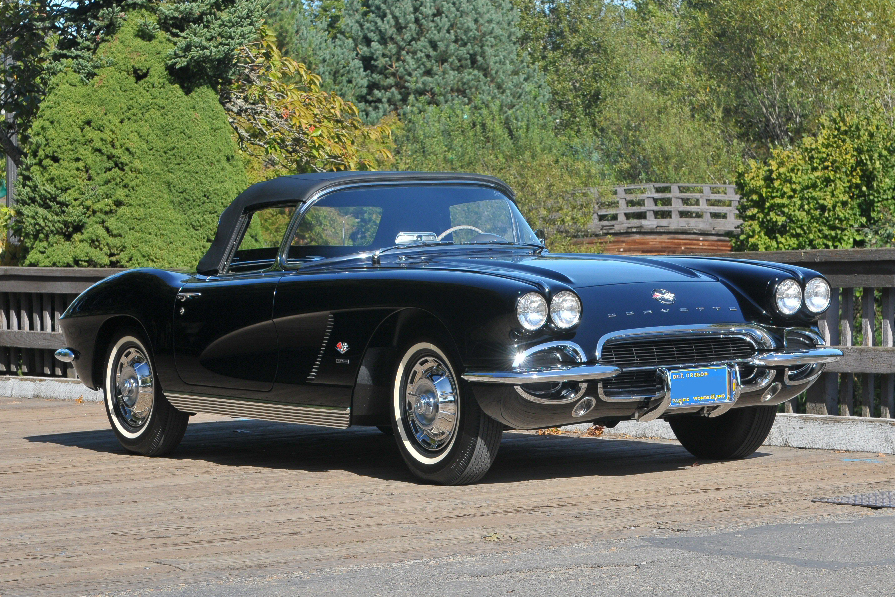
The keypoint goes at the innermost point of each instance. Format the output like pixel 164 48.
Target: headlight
pixel 817 295
pixel 565 309
pixel 788 297
pixel 531 309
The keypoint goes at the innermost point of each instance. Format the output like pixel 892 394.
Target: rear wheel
pixel 442 434
pixel 735 434
pixel 142 419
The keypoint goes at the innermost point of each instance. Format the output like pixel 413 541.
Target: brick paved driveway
pixel 80 515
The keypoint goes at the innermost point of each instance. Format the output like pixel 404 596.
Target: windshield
pixel 370 218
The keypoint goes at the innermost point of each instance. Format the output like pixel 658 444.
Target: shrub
pixel 126 169
pixel 825 192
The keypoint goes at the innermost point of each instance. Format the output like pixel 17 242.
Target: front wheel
pixel 442 434
pixel 142 419
pixel 735 434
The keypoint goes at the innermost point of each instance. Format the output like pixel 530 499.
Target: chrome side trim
pixel 574 373
pixel 329 329
pixel 326 416
pixel 759 337
pixel 66 355
pixel 798 357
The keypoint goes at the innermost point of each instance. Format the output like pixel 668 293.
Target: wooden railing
pixel 861 320
pixel 667 209
pixel 31 301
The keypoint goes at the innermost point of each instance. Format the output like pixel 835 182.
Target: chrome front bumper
pixel 587 372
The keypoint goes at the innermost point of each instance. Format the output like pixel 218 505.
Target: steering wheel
pixel 460 227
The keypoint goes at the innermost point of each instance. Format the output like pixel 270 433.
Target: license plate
pixel 706 386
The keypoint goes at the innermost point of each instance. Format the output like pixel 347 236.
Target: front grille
pixel 665 352
pixel 676 351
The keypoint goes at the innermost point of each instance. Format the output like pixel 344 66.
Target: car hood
pixel 577 271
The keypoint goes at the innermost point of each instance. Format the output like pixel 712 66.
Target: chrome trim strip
pixel 304 414
pixel 66 355
pixel 800 357
pixel 756 334
pixel 575 373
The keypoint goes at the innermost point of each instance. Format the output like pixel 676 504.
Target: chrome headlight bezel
pixel 532 311
pixel 565 309
pixel 788 297
pixel 817 288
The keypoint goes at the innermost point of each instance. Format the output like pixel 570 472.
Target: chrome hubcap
pixel 134 391
pixel 430 404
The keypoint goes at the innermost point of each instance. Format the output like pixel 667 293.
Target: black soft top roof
pixel 300 188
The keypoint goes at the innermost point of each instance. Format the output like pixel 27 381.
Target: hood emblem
pixel 663 296
pixel 342 347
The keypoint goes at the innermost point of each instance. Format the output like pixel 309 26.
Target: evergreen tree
pixel 433 53
pixel 126 168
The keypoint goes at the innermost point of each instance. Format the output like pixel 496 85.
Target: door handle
pixel 183 296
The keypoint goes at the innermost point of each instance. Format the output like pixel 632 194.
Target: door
pixel 224 336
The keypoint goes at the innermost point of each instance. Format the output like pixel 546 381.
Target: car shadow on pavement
pixel 368 452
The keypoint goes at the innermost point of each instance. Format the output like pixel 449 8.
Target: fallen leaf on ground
pixel 550 431
pixel 595 431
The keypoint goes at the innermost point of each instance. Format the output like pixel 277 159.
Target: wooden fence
pixel 860 320
pixel 31 301
pixel 667 209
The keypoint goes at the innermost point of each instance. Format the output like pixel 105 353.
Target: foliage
pixel 126 169
pixel 629 81
pixel 278 110
pixel 433 53
pixel 208 36
pixel 779 66
pixel 520 148
pixel 24 29
pixel 825 191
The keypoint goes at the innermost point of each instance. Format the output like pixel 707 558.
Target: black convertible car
pixel 424 304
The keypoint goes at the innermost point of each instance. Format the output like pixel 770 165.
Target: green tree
pixel 25 28
pixel 279 111
pixel 434 53
pixel 521 148
pixel 126 168
pixel 824 193
pixel 625 80
pixel 778 66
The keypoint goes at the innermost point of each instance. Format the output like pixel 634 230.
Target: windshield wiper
pixel 414 245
